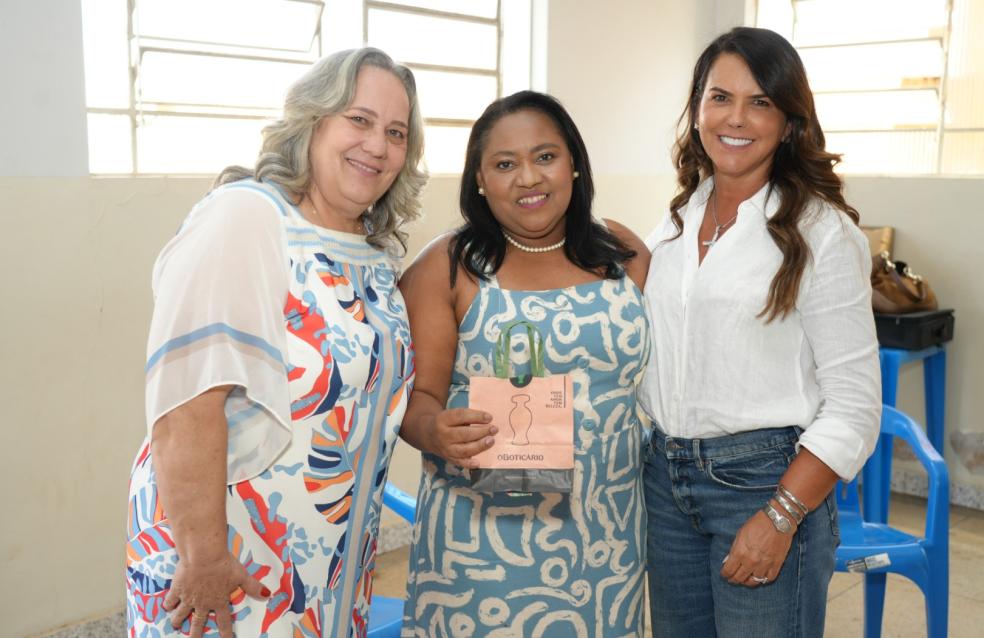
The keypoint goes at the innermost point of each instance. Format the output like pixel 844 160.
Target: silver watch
pixel 782 524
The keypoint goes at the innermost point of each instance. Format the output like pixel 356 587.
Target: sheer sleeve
pixel 219 289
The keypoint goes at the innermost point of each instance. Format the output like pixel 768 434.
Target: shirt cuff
pixel 843 447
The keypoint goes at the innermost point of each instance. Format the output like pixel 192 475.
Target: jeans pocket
pixel 751 471
pixel 830 503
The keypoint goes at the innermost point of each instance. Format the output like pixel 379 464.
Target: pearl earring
pixel 696 126
pixel 576 174
pixel 481 191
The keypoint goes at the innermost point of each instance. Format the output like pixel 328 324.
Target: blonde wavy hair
pixel 327 88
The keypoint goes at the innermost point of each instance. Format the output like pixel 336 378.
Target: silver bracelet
pixel 791 509
pixel 782 524
pixel 792 497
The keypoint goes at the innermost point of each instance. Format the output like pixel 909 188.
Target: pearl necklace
pixel 533 249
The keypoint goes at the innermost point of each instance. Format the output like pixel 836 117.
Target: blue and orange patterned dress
pixel 308 326
pixel 543 565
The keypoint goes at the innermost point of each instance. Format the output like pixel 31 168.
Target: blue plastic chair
pixel 386 614
pixel 876 549
pixel 934 383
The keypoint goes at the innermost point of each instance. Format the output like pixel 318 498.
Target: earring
pixel 696 126
pixel 481 191
pixel 576 174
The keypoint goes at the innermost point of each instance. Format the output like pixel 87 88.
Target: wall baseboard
pixel 917 484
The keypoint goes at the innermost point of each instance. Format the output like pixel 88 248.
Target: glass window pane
pixel 963 153
pixel 881 66
pixel 454 95
pixel 517 46
pixel 280 24
pixel 168 144
pixel 965 83
pixel 482 8
pixel 893 109
pixel 840 21
pixel 109 144
pixel 191 79
pixel 444 148
pixel 902 152
pixel 107 75
pixel 414 38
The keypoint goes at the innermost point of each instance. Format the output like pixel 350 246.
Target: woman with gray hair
pixel 279 368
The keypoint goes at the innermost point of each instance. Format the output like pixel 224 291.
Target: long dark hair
pixel 479 245
pixel 802 169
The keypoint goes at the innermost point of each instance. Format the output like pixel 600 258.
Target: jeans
pixel 699 492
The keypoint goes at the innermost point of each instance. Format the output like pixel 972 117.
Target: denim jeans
pixel 699 492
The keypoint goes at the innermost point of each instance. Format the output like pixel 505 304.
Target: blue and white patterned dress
pixel 545 564
pixel 308 326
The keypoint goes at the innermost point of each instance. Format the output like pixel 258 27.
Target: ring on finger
pixel 761 580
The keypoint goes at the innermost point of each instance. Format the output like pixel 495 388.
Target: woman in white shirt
pixel 764 383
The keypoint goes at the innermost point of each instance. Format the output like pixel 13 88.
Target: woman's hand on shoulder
pixel 636 268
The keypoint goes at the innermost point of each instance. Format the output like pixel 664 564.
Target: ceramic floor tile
pixel 841 583
pixel 391 573
pixel 904 614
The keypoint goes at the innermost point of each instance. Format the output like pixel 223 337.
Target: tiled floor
pixel 904 611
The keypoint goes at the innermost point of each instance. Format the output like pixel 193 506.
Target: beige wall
pixel 77 252
pixel 938 226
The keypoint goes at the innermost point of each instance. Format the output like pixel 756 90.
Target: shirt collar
pixel 765 201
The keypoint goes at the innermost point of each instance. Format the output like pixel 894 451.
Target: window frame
pixel 140 44
pixel 939 130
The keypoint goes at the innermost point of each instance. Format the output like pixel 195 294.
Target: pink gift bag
pixel 534 449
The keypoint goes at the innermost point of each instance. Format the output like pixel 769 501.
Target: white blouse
pixel 716 368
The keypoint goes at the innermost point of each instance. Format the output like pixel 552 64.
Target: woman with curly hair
pixel 279 367
pixel 764 383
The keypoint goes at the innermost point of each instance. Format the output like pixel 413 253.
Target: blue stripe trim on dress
pixel 208 331
pixel 259 188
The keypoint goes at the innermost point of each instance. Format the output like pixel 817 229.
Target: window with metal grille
pixel 185 86
pixel 898 83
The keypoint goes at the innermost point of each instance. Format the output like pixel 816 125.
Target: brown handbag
pixel 881 239
pixel 895 289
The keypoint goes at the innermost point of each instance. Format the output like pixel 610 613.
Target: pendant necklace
pixel 718 227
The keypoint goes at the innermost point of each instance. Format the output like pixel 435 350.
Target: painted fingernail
pixel 494 430
pixel 725 559
pixel 489 441
pixel 265 592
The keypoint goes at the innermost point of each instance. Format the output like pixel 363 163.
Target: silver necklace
pixel 533 249
pixel 718 227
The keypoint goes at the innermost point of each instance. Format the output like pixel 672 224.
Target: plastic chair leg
pixel 937 603
pixel 934 385
pixel 889 378
pixel 878 470
pixel 874 604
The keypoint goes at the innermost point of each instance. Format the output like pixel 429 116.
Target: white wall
pixel 938 226
pixel 615 67
pixel 42 113
pixel 76 255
